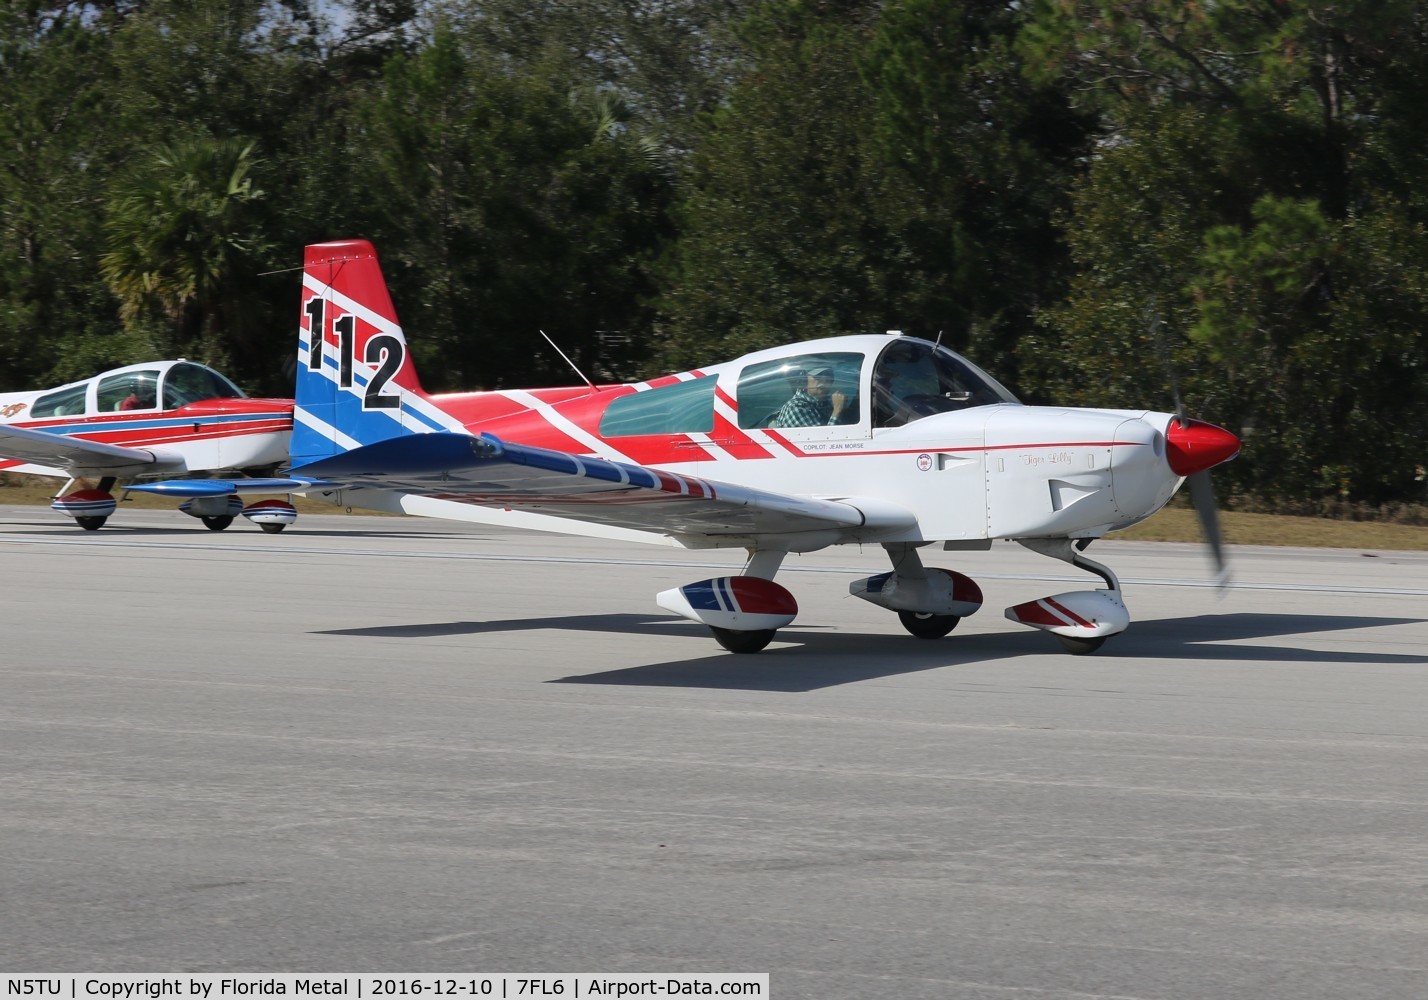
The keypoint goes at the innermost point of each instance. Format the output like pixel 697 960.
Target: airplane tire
pixel 928 626
pixel 218 523
pixel 1077 646
pixel 739 641
pixel 272 529
pixel 90 523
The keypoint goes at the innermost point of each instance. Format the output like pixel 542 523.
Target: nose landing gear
pixel 1081 619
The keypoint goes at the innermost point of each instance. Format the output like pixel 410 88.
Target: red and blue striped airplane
pixel 147 420
pixel 868 439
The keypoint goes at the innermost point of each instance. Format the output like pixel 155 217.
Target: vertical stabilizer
pixel 356 380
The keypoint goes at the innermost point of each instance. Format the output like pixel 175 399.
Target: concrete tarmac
pixel 397 745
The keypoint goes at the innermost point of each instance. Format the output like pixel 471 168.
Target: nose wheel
pixel 926 626
pixel 1077 646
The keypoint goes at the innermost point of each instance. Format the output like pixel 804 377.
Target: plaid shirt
pixel 802 410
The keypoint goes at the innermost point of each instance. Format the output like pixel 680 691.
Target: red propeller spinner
pixel 1193 446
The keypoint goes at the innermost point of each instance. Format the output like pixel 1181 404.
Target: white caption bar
pixel 366 986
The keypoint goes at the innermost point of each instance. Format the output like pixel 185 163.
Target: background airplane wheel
pixel 90 523
pixel 927 626
pixel 737 641
pixel 218 523
pixel 272 529
pixel 1077 646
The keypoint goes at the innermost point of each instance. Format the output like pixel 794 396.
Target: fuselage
pixel 920 429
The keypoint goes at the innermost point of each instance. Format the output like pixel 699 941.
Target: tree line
pixel 1122 204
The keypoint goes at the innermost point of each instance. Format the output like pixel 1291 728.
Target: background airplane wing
pixel 75 455
pixel 491 473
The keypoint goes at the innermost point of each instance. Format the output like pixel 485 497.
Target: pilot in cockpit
pixel 141 397
pixel 814 402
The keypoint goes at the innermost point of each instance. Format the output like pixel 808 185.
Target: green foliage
pixel 1242 192
pixel 875 168
pixel 782 234
pixel 514 204
pixel 55 143
pixel 182 236
pixel 669 60
pixel 991 153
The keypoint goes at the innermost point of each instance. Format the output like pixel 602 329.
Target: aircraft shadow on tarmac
pixel 810 658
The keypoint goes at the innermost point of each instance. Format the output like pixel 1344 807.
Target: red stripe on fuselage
pixel 736 442
pixel 184 432
pixel 780 439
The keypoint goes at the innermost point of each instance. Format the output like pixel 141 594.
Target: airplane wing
pixel 75 455
pixel 488 472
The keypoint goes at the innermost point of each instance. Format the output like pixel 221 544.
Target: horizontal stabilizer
pixel 224 487
pixel 414 457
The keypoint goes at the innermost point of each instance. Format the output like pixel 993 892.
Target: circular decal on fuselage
pixel 924 462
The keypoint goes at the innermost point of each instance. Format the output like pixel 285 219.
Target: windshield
pixel 189 383
pixel 914 379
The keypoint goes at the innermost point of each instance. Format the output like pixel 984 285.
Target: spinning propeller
pixel 1193 448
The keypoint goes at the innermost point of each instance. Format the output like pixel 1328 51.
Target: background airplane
pixel 146 420
pixel 866 439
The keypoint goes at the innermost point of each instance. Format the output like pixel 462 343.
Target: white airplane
pixel 885 440
pixel 155 419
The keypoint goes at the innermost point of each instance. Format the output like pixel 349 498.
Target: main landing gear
pixel 928 626
pixel 218 512
pixel 743 612
pixel 929 601
pixel 743 641
pixel 89 508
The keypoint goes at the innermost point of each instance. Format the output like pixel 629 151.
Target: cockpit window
pixel 65 402
pixel 128 391
pixel 914 379
pixel 679 408
pixel 810 390
pixel 189 383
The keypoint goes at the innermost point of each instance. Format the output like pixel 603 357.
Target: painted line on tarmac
pixel 189 546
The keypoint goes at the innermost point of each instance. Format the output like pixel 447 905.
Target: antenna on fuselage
pixel 592 385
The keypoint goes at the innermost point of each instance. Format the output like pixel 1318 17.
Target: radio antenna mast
pixel 577 371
